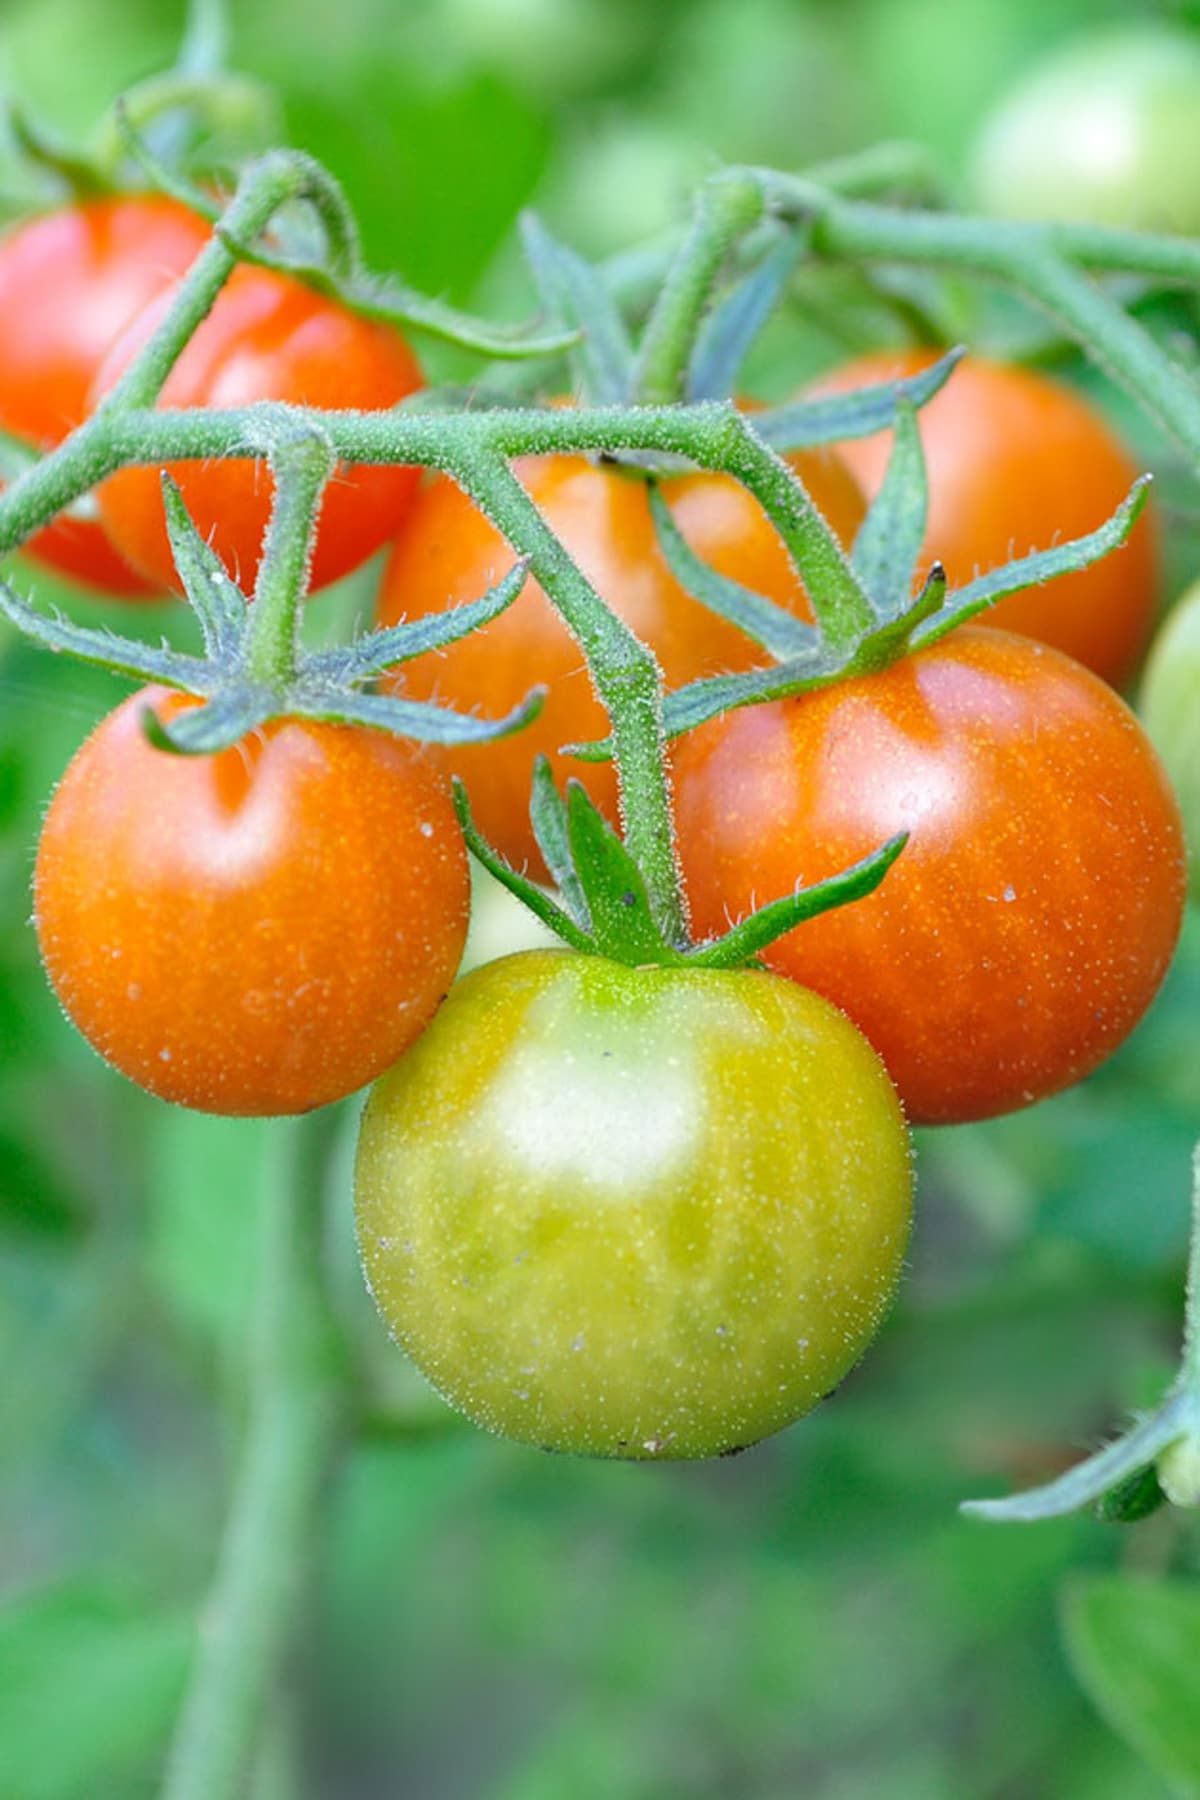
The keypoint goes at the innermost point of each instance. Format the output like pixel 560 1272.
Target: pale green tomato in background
pixel 1170 709
pixel 640 1213
pixel 1107 131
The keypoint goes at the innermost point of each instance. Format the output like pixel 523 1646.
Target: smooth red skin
pixel 257 932
pixel 449 552
pixel 267 338
pixel 1030 919
pixel 70 280
pixel 1018 462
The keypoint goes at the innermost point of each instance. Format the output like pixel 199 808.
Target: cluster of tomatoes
pixel 625 1210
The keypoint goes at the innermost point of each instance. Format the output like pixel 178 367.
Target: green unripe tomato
pixel 1106 131
pixel 1170 709
pixel 631 1212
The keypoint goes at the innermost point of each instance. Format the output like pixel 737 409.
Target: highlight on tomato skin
pixel 634 1213
pixel 1018 461
pixel 1036 907
pixel 257 932
pixel 70 280
pixel 268 337
pixel 448 552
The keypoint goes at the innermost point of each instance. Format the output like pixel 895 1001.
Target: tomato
pixel 70 280
pixel 1018 462
pixel 261 931
pixel 633 1212
pixel 267 338
pixel 1107 130
pixel 1171 712
pixel 1029 921
pixel 449 552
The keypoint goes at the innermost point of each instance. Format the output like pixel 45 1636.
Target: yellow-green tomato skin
pixel 638 1213
pixel 1170 709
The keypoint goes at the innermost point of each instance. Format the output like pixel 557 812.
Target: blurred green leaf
pixel 1134 1644
pixel 89 1682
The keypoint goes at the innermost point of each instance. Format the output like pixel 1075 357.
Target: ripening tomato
pixel 256 932
pixel 633 1212
pixel 1032 916
pixel 269 337
pixel 1170 707
pixel 70 280
pixel 449 552
pixel 1107 130
pixel 1018 462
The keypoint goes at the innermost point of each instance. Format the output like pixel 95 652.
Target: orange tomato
pixel 70 280
pixel 1018 462
pixel 1027 925
pixel 256 932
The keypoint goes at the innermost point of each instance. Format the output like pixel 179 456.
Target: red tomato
pixel 267 338
pixel 1030 920
pixel 70 280
pixel 449 552
pixel 257 932
pixel 1018 462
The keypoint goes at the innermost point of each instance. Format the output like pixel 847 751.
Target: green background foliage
pixel 487 1623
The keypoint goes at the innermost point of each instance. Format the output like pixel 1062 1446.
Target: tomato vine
pixel 648 408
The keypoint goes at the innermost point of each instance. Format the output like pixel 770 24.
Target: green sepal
pixel 573 292
pixel 727 334
pixel 220 722
pixel 416 719
pixel 805 424
pixel 180 113
pixel 1089 1482
pixel 392 302
pixel 215 598
pixel 1064 559
pixel 752 935
pixel 623 926
pixel 769 624
pixel 702 700
pixel 1135 1498
pixel 539 902
pixel 548 816
pixel 383 649
pixel 124 656
pixel 889 540
pixel 890 640
pixel 82 175
pixel 164 180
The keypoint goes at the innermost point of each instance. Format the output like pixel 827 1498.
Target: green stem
pixel 205 46
pixel 301 467
pixel 839 602
pixel 725 208
pixel 263 189
pixel 1189 1369
pixel 624 672
pixel 292 1427
pixel 1032 259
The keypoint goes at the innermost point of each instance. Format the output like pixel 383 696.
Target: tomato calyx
pixel 239 692
pixel 884 562
pixel 602 905
pixel 1155 1462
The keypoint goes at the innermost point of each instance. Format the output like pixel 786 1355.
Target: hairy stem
pixel 295 1388
pixel 726 207
pixel 624 672
pixel 301 467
